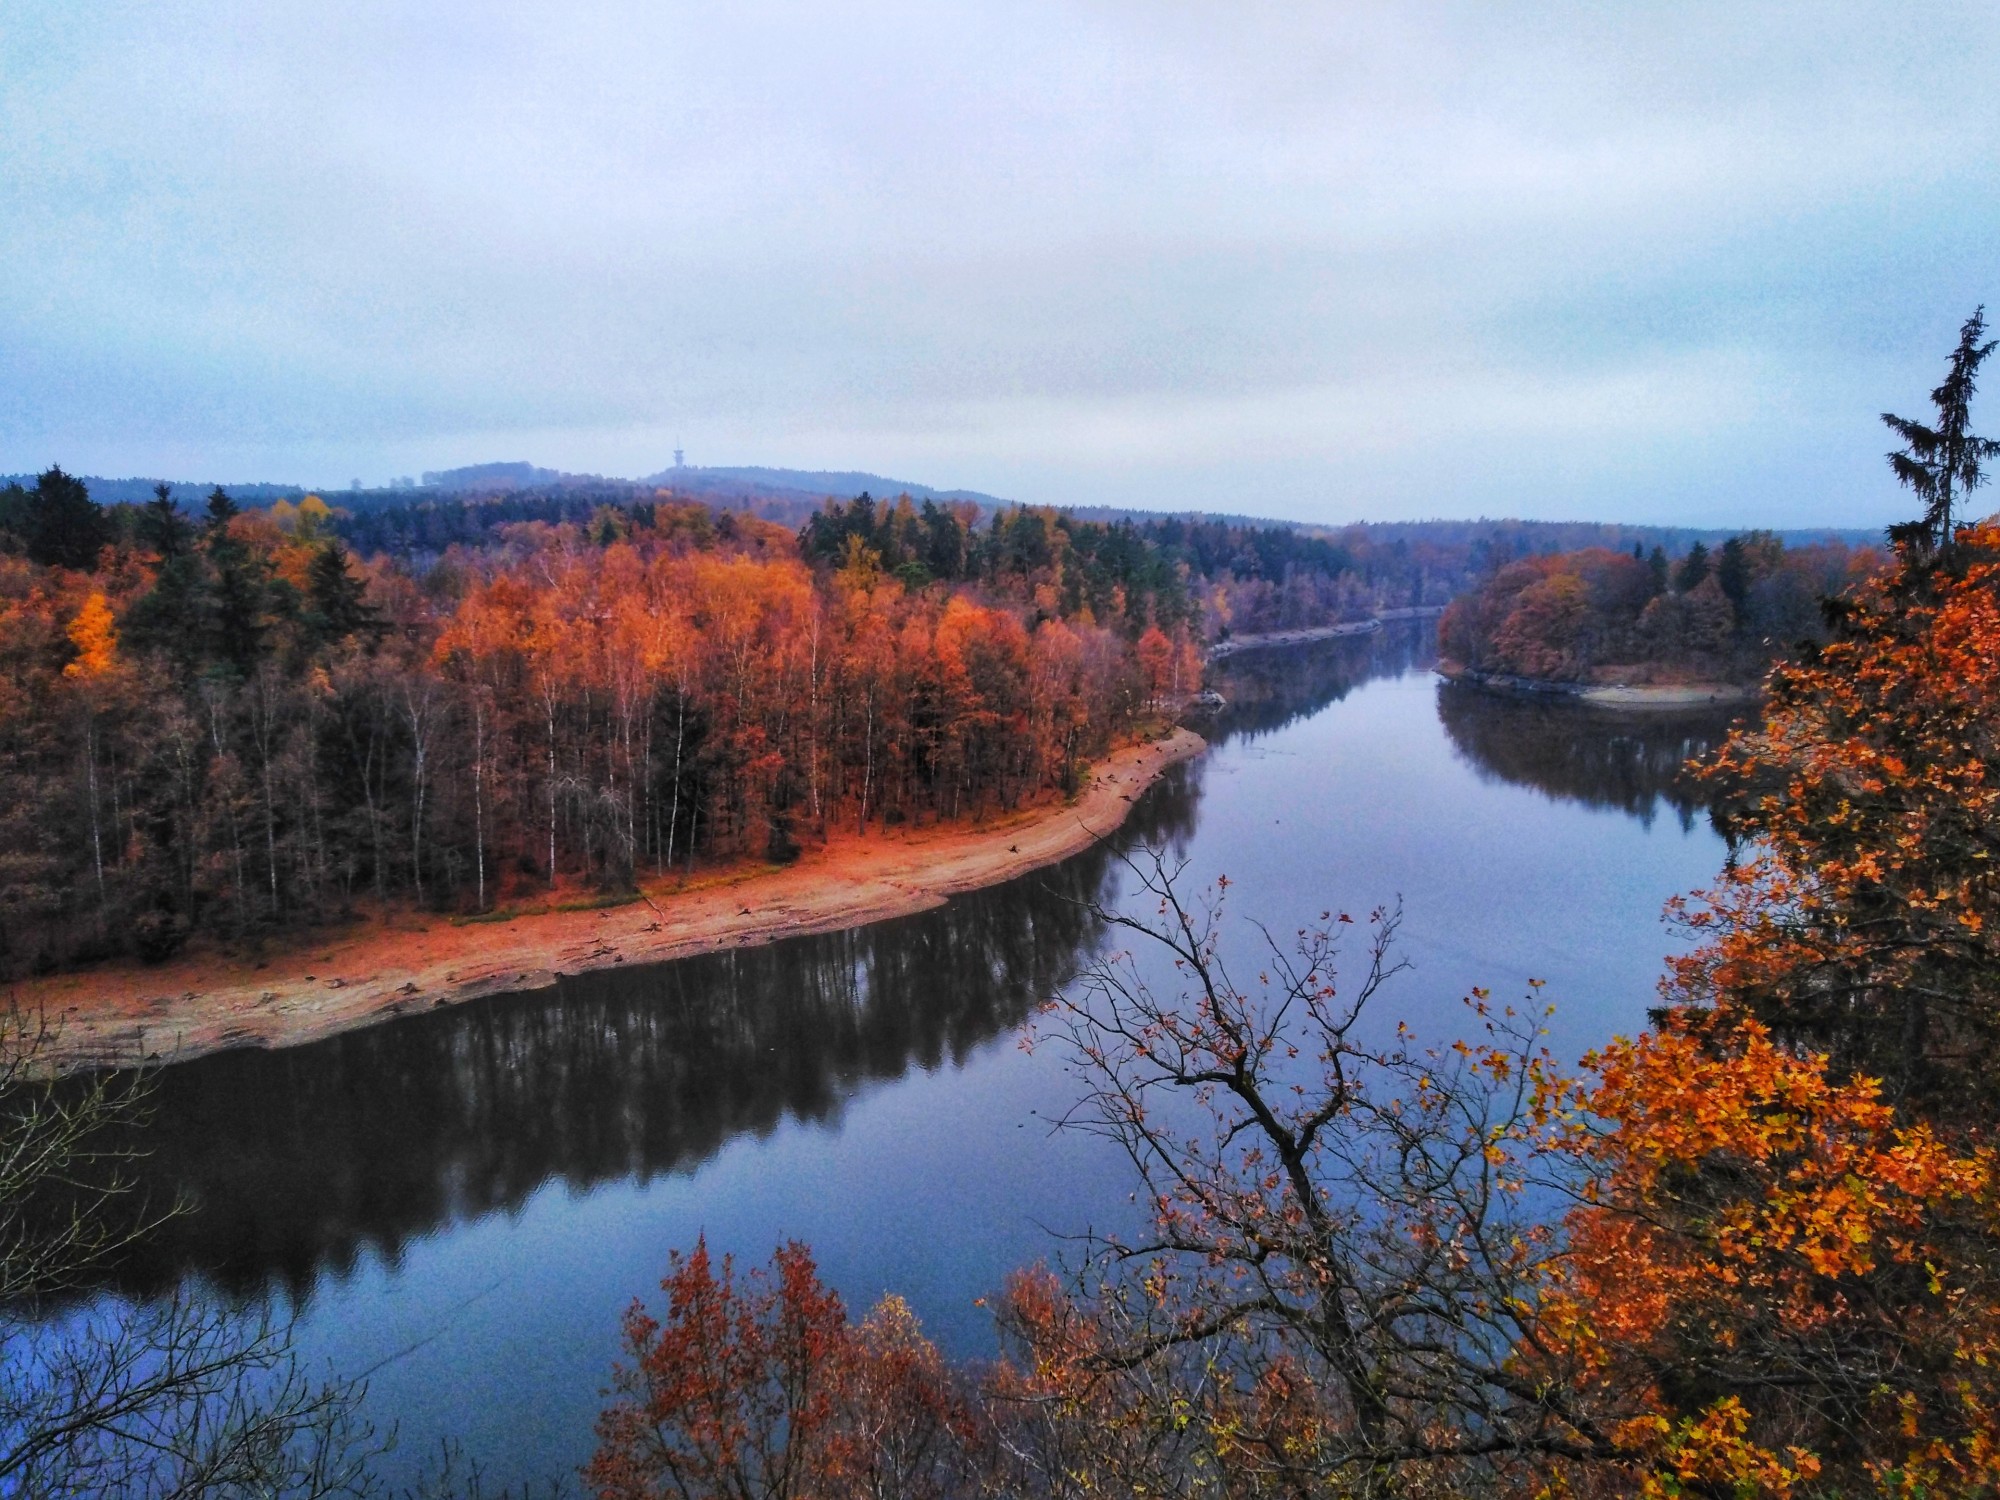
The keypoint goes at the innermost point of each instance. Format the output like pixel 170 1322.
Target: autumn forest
pixel 231 723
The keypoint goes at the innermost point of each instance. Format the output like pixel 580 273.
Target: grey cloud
pixel 1311 259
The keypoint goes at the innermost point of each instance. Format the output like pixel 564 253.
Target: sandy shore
pixel 1614 694
pixel 1663 695
pixel 191 1006
pixel 1411 612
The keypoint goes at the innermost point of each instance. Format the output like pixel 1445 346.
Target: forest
pixel 1233 576
pixel 232 724
pixel 1598 615
pixel 238 720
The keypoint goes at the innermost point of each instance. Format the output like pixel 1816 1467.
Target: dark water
pixel 462 1203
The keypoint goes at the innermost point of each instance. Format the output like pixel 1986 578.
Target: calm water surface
pixel 462 1204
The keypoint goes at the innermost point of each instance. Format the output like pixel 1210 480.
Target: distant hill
pixel 504 476
pixel 791 496
pixel 1570 536
pixel 842 484
pixel 138 491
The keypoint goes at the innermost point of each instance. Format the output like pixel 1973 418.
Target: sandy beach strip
pixel 1636 695
pixel 1668 695
pixel 197 1004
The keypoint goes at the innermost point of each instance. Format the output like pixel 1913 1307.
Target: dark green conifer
pixel 336 601
pixel 162 527
pixel 1693 569
pixel 1942 464
pixel 65 527
pixel 221 509
pixel 1732 572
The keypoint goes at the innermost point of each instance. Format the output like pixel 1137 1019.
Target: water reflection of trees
pixel 1633 762
pixel 1272 688
pixel 300 1159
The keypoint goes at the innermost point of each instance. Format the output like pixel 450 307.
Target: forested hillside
pixel 230 723
pixel 1595 614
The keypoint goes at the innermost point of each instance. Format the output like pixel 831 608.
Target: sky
pixel 1325 261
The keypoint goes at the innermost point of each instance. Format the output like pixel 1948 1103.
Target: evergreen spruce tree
pixel 1732 571
pixel 1694 568
pixel 66 528
pixel 238 589
pixel 221 509
pixel 162 527
pixel 336 606
pixel 1942 464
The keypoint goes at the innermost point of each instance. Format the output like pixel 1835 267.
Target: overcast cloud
pixel 1648 262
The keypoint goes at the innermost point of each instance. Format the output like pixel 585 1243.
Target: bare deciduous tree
pixel 1341 1272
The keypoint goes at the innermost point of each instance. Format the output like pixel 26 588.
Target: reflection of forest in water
pixel 299 1159
pixel 1271 688
pixel 1632 762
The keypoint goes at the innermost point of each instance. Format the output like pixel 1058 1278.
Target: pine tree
pixel 1942 464
pixel 221 509
pixel 1694 568
pixel 66 528
pixel 239 602
pixel 335 599
pixel 162 527
pixel 1733 573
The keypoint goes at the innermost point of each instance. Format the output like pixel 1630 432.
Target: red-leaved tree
pixel 762 1389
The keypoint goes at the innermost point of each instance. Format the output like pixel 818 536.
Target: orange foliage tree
pixel 762 1389
pixel 1793 1246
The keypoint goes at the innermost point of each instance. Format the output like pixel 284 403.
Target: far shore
pixel 1299 637
pixel 1238 643
pixel 1637 695
pixel 198 1004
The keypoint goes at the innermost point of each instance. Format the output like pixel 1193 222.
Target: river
pixel 461 1204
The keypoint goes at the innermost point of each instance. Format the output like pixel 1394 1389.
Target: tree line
pixel 1597 615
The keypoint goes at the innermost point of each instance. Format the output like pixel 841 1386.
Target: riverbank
pixel 1621 695
pixel 1237 643
pixel 197 1005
